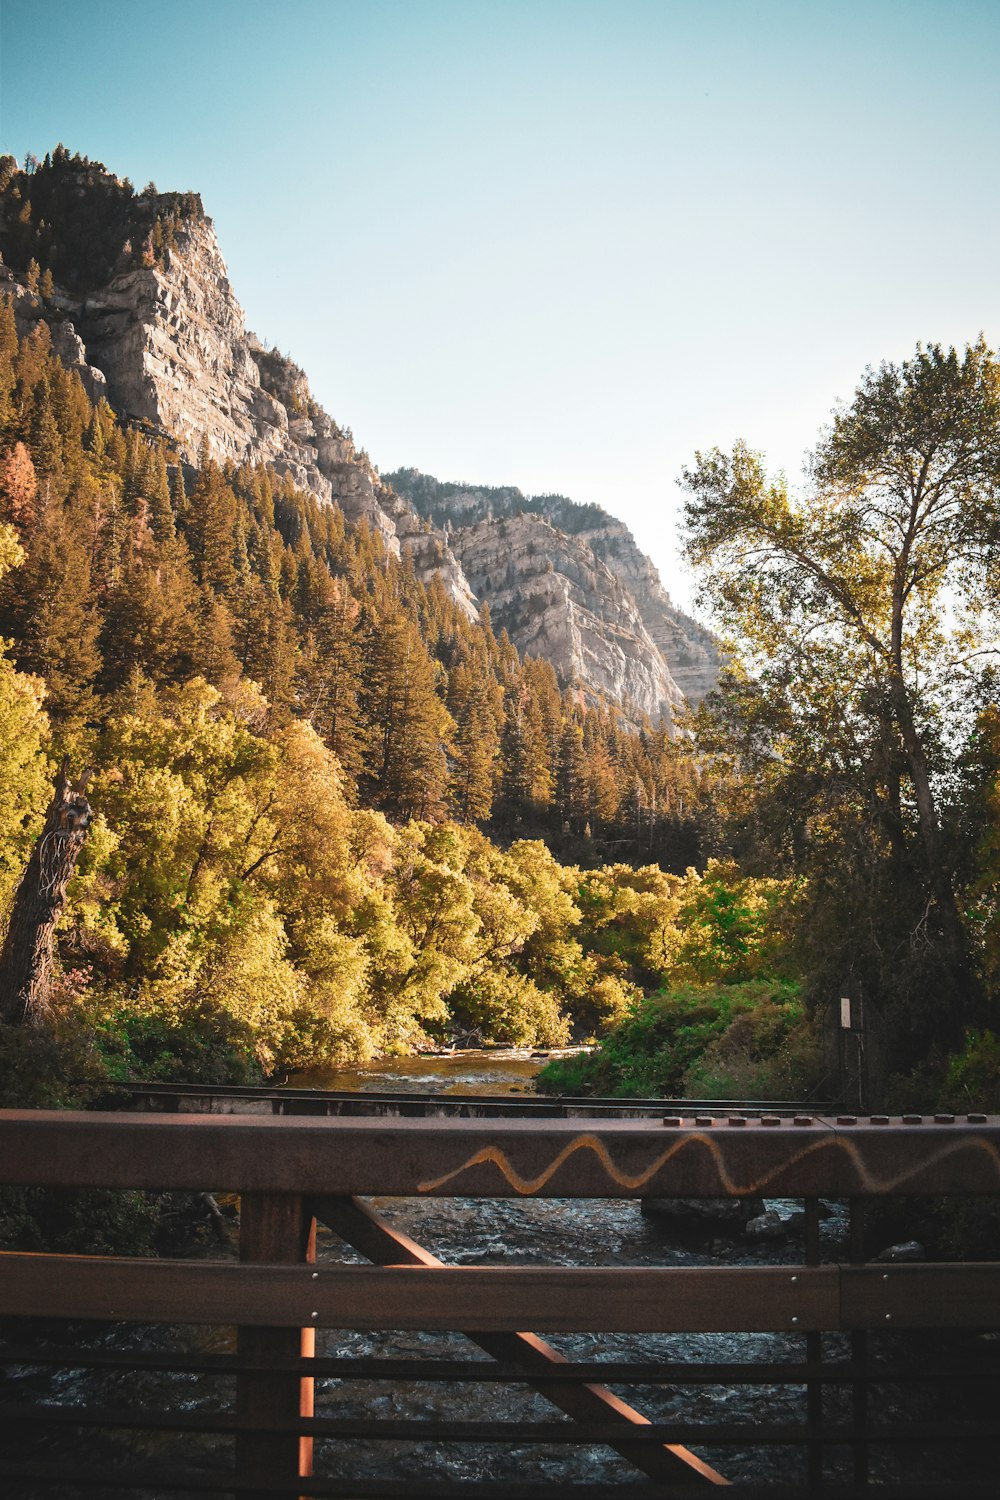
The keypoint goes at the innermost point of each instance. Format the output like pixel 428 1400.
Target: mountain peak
pixel 136 292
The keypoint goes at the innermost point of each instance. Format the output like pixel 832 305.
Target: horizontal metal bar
pixel 485 1299
pixel 498 1158
pixel 453 1298
pixel 560 1433
pixel 373 1101
pixel 924 1296
pixel 292 1091
pixel 160 1480
pixel 344 1368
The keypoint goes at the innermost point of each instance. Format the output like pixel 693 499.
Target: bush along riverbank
pixel 728 1019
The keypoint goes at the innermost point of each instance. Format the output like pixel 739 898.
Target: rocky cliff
pixel 148 315
pixel 557 600
pixel 143 308
pixel 607 577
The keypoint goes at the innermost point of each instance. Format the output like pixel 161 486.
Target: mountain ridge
pixel 689 650
pixel 145 311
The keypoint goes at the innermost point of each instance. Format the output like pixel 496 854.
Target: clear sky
pixel 557 243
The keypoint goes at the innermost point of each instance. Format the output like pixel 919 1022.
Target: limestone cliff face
pixel 173 344
pixel 690 651
pixel 166 342
pixel 557 600
pixel 651 645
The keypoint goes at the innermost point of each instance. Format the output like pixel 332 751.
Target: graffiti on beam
pixel 868 1181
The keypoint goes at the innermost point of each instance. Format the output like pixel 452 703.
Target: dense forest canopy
pixel 70 220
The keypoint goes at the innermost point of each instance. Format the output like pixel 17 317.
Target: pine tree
pixel 43 438
pixel 210 527
pixel 571 777
pixel 8 355
pixel 217 659
pixel 151 616
pixel 408 769
pixel 265 642
pixel 55 620
pixel 330 677
pixel 475 700
pixel 18 489
pixel 156 488
pixel 178 494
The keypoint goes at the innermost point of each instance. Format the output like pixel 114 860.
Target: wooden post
pixel 274 1229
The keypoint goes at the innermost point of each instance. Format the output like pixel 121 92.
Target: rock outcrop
pixel 558 601
pixel 165 340
pixel 173 345
pixel 30 310
pixel 635 643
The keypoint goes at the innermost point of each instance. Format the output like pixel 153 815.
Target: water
pixel 507 1071
pixel 574 1232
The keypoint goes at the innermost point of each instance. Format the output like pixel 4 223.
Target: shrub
pixel 737 1038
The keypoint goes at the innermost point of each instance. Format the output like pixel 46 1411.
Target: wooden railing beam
pixel 498 1158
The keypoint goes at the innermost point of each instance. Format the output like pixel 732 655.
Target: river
pixel 497 1071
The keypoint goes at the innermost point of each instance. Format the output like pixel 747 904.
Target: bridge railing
pixel 842 1330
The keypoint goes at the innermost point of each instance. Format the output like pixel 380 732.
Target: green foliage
pixel 695 1042
pixel 963 1080
pixel 507 1007
pixel 727 1020
pixel 863 617
pixel 138 1037
pixel 85 1221
pixel 972 1080
pixel 984 905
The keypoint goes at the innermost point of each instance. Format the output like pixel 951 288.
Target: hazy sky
pixel 557 243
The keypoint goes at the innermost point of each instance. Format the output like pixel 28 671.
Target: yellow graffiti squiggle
pixel 526 1186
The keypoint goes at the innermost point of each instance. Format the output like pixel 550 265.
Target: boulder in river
pixel 702 1216
pixel 908 1250
pixel 768 1226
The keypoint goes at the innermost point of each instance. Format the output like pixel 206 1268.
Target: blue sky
pixel 558 244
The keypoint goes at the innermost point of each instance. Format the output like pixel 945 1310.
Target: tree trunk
pixel 26 957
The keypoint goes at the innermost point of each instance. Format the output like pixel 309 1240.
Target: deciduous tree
pixel 863 612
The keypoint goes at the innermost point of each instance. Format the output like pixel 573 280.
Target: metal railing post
pixel 276 1229
pixel 859 1352
pixel 814 1356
